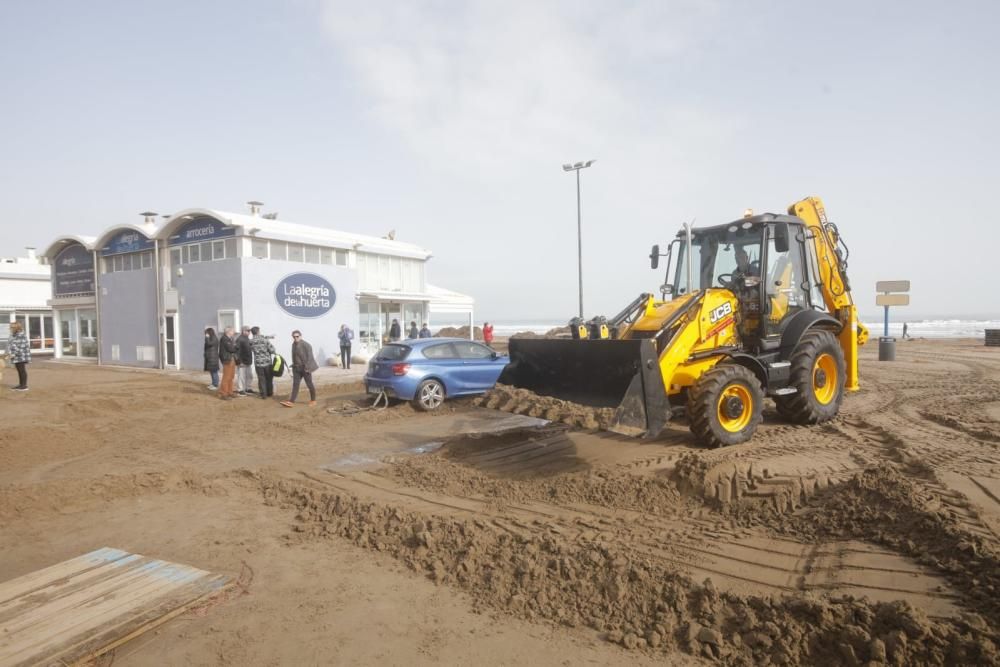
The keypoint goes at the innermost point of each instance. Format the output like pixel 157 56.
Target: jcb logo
pixel 720 312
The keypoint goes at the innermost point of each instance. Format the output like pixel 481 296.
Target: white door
pixel 170 335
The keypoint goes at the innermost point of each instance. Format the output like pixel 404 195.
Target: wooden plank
pixel 65 586
pixel 41 578
pixel 83 617
pixel 47 606
pixel 87 605
pixel 133 626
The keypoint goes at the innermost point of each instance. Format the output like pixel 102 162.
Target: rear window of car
pixel 440 351
pixel 393 353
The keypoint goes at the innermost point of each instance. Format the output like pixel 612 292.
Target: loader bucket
pixel 620 374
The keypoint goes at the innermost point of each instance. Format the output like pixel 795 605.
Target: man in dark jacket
pixel 345 335
pixel 228 356
pixel 394 331
pixel 425 331
pixel 413 332
pixel 303 365
pixel 244 372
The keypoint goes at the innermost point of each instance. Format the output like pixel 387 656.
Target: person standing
pixel 345 335
pixel 488 333
pixel 905 328
pixel 263 358
pixel 394 331
pixel 19 354
pixel 244 372
pixel 212 357
pixel 425 332
pixel 413 332
pixel 228 356
pixel 303 365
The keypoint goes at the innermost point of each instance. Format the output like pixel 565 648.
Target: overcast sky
pixel 448 122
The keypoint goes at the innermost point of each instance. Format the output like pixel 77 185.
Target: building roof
pixel 61 242
pixel 282 230
pixel 255 226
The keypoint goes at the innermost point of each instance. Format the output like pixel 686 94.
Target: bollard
pixel 886 349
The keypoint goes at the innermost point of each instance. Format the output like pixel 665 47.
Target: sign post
pixel 892 293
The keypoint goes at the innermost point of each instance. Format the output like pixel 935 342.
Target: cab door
pixel 784 279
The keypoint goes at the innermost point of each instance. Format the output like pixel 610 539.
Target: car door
pixel 441 361
pixel 480 369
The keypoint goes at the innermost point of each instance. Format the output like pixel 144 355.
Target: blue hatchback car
pixel 428 370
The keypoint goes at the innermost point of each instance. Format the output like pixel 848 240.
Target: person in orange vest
pixel 488 333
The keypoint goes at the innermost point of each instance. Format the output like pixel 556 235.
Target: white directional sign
pixel 892 299
pixel 892 286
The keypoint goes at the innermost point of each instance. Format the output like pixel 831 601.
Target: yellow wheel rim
pixel 825 378
pixel 732 419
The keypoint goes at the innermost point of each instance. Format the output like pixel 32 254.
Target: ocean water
pixel 931 328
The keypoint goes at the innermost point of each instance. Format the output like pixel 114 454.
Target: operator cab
pixel 762 260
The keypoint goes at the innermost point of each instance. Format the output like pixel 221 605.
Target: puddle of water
pixel 357 460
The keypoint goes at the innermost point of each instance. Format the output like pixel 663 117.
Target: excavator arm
pixel 831 267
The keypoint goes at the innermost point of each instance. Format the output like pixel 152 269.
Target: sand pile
pixel 601 488
pixel 524 402
pixel 638 602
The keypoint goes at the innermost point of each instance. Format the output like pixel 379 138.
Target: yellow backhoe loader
pixel 757 307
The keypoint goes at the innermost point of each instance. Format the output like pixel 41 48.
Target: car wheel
pixel 429 396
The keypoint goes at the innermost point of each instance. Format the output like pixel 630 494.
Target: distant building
pixel 25 290
pixel 224 269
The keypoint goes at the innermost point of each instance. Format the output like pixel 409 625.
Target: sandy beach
pixel 471 535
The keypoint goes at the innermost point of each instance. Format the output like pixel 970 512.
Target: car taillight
pixel 400 369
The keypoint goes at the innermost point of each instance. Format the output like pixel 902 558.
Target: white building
pixel 25 290
pixel 144 294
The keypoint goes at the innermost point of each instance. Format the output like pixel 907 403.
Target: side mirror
pixel 494 356
pixel 654 257
pixel 780 232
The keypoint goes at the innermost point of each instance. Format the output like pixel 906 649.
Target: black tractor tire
pixel 817 396
pixel 429 396
pixel 725 406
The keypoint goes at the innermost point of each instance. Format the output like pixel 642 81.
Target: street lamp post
pixel 579 227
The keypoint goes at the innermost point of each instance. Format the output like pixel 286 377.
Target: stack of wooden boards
pixel 86 606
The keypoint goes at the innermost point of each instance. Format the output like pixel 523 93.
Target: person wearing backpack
pixel 263 360
pixel 346 336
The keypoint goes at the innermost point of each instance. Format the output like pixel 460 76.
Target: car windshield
pixel 720 252
pixel 393 353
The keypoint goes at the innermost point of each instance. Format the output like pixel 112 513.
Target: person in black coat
pixel 212 357
pixel 395 333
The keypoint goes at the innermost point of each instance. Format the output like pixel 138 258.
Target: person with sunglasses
pixel 303 365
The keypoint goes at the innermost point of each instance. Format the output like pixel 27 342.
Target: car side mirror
pixel 494 356
pixel 781 237
pixel 654 257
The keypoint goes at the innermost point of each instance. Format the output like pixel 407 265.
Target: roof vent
pixel 150 217
pixel 31 253
pixel 255 207
pixel 270 216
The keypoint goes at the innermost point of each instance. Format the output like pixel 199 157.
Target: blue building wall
pixel 128 316
pixel 204 290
